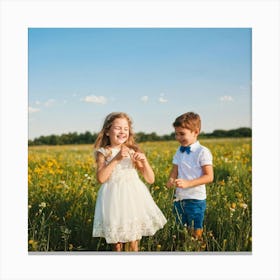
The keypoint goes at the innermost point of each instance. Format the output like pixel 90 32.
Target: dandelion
pixel 232 209
pixel 43 205
pixel 243 205
pixel 203 246
pixel 51 172
pixel 38 170
pixel 222 183
pixel 33 243
pixel 239 195
pixel 224 244
pixel 29 179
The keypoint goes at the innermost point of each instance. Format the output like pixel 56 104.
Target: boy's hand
pixel 170 183
pixel 182 183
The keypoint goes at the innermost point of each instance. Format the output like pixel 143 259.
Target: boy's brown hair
pixel 188 120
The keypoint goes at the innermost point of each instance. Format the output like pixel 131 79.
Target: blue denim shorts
pixel 190 212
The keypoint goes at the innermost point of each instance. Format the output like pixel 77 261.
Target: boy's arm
pixel 173 176
pixel 207 177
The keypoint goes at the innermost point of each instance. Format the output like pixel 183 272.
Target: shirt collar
pixel 194 146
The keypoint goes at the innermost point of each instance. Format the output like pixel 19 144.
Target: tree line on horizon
pixel 72 138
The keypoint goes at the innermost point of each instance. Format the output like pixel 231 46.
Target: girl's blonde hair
pixel 103 140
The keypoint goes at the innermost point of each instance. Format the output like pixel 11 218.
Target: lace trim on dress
pixel 131 231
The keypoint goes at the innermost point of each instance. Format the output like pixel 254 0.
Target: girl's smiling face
pixel 118 132
pixel 185 136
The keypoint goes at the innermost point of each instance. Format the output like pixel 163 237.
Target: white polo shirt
pixel 190 167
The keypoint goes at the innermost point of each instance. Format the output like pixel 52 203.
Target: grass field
pixel 62 191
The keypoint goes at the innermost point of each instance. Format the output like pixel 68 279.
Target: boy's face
pixel 185 136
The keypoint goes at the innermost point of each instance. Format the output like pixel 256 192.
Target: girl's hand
pixel 124 152
pixel 142 164
pixel 139 157
pixel 182 183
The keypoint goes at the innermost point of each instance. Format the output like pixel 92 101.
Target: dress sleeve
pixel 100 150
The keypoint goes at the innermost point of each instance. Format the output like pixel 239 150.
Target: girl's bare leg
pixel 118 247
pixel 133 246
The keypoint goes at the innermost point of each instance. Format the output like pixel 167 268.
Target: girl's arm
pixel 207 177
pixel 173 176
pixel 144 167
pixel 104 170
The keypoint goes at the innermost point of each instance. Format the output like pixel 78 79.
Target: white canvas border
pixel 17 16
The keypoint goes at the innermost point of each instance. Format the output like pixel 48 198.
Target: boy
pixel 192 169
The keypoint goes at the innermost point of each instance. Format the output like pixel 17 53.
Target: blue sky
pixel 78 76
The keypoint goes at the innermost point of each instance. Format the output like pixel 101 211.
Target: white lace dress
pixel 125 210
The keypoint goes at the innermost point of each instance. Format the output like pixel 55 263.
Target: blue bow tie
pixel 185 149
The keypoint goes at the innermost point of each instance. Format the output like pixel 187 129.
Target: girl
pixel 125 210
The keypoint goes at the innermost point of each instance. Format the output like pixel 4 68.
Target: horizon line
pixel 93 132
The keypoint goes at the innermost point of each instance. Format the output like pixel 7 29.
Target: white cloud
pixel 162 99
pixel 144 98
pixel 95 99
pixel 33 110
pixel 49 102
pixel 226 98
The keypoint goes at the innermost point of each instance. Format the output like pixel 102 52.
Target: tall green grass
pixel 62 191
